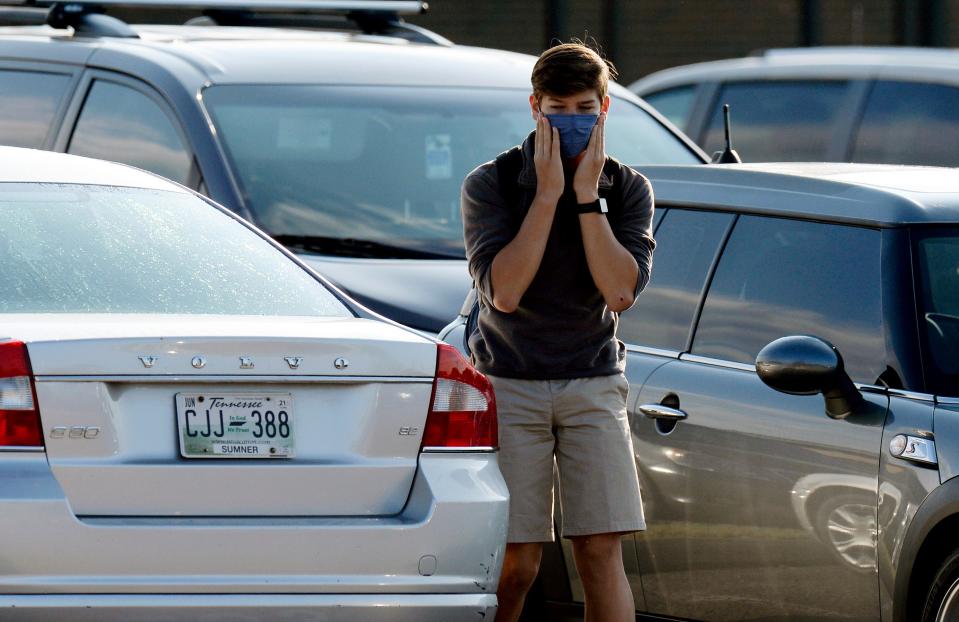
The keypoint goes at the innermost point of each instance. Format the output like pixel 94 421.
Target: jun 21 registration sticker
pixel 218 425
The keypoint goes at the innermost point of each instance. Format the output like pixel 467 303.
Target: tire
pixel 942 599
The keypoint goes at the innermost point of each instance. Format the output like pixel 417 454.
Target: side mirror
pixel 806 365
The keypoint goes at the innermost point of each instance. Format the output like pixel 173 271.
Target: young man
pixel 559 241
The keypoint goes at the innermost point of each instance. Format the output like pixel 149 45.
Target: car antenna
pixel 727 155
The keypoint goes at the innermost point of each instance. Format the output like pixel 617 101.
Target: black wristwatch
pixel 595 207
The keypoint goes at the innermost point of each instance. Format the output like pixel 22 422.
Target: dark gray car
pixel 347 145
pixel 794 397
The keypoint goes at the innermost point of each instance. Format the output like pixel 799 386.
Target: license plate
pixel 219 425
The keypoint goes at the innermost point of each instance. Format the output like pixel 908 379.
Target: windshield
pixel 100 249
pixel 937 254
pixel 385 164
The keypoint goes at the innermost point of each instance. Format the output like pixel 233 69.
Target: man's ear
pixel 534 107
pixel 605 106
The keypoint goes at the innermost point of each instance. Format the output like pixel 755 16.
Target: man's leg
pixel 526 444
pixel 599 561
pixel 520 566
pixel 599 489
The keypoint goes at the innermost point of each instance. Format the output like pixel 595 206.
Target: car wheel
pixel 942 600
pixel 846 524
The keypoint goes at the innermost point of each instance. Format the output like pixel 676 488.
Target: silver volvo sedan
pixel 193 424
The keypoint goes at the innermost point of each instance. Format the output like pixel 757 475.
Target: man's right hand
pixel 549 165
pixel 515 265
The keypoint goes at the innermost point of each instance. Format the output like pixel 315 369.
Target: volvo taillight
pixel 19 415
pixel 463 408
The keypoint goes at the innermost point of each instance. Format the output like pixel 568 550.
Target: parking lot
pixel 249 333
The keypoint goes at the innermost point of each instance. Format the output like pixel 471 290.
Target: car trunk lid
pixel 112 391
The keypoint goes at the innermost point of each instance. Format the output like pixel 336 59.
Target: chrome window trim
pixel 911 395
pixel 706 360
pixel 673 354
pixel 232 379
pixel 458 450
pixel 871 388
pixel 947 400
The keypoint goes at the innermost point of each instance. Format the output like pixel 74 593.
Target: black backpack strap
pixel 614 170
pixel 472 319
pixel 509 164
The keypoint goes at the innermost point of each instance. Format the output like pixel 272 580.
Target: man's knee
pixel 520 567
pixel 519 579
pixel 598 555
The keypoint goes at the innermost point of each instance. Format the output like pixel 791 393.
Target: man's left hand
pixel 586 179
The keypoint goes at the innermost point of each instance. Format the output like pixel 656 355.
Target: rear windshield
pixel 386 163
pixel 937 263
pixel 101 249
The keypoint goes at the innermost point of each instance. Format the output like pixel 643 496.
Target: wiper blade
pixel 354 247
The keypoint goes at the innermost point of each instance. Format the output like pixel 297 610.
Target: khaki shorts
pixel 582 425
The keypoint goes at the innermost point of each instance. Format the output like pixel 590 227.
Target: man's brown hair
pixel 571 68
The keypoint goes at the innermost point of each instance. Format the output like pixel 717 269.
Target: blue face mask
pixel 574 131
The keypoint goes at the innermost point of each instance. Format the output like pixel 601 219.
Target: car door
pixel 123 120
pixel 657 328
pixel 908 123
pixel 33 97
pixel 800 120
pixel 675 103
pixel 762 507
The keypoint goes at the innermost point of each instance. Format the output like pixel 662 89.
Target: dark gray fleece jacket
pixel 562 327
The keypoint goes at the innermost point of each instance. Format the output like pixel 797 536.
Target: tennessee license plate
pixel 222 425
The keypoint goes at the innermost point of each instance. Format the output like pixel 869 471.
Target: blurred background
pixel 642 36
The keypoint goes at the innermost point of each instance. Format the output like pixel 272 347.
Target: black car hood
pixel 425 294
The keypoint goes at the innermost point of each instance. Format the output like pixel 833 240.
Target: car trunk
pixel 115 395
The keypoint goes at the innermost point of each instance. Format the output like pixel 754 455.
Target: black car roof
pixel 870 194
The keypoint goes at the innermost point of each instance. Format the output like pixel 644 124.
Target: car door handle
pixel 658 411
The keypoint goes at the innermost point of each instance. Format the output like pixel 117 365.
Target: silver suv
pixel 842 104
pixel 343 133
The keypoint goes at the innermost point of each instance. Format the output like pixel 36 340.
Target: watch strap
pixel 594 207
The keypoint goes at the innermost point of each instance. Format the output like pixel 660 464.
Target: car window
pixel 686 244
pixel 121 124
pixel 909 123
pixel 29 100
pixel 100 249
pixel 674 103
pixel 775 121
pixel 937 255
pixel 780 277
pixel 386 164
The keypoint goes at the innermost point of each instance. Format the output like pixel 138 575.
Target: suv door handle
pixel 658 411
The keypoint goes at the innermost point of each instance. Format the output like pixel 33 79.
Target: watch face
pixel 602 206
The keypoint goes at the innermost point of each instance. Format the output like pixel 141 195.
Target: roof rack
pixel 88 18
pixel 85 19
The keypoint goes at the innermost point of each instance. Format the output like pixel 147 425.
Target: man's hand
pixel 613 268
pixel 549 165
pixel 586 179
pixel 516 264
